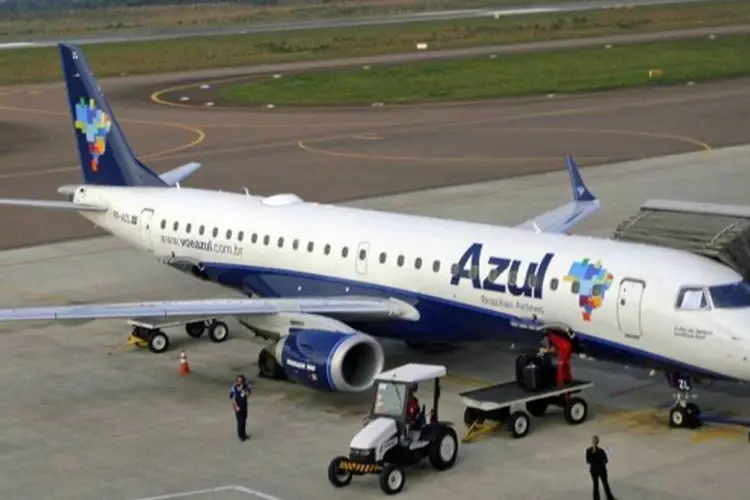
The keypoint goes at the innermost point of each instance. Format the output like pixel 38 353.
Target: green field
pixel 507 75
pixel 25 24
pixel 38 65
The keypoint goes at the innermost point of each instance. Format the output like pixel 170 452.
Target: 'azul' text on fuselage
pixel 502 275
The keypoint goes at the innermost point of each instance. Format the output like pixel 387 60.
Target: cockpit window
pixel 730 296
pixel 692 299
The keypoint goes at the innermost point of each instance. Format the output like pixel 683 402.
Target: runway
pixel 79 424
pixel 269 27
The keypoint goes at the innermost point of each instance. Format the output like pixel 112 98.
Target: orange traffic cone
pixel 184 366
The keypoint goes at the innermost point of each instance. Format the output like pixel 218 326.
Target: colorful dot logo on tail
pixel 593 282
pixel 95 125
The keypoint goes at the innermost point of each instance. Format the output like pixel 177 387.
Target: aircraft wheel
pixel 218 331
pixel 195 329
pixel 519 424
pixel 576 411
pixel 336 476
pixel 392 479
pixel 678 417
pixel 268 367
pixel 158 342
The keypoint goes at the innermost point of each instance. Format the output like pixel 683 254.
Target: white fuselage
pixel 293 248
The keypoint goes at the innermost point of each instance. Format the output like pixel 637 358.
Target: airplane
pixel 324 283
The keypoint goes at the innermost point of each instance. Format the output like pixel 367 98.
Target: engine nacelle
pixel 329 360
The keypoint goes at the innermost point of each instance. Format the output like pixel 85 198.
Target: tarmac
pixel 81 424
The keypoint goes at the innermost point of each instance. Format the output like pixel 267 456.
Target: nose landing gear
pixel 684 413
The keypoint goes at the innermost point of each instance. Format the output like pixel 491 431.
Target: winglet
pixel 580 191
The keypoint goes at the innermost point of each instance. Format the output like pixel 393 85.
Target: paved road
pixel 342 22
pixel 344 154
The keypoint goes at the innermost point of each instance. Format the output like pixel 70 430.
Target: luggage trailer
pixel 509 403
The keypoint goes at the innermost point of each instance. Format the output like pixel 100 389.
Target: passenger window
pixel 188 227
pixel 362 254
pixel 436 266
pixel 295 244
pixel 240 235
pixel 418 263
pixel 281 242
pixel 266 240
pixel 310 246
pixel 229 234
pixel 175 225
pixel 382 257
pixel 215 232
pixel 575 287
pixel 345 252
pixel 454 269
pixel 400 260
pixel 254 238
pixel 531 280
pixel 692 299
pixel 327 249
pixel 201 230
pixel 474 272
pixel 163 223
pixel 553 284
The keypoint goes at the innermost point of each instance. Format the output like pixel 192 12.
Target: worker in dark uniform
pixel 597 460
pixel 238 394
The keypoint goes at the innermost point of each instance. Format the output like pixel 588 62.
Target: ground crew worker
pixel 561 345
pixel 239 393
pixel 597 460
pixel 412 407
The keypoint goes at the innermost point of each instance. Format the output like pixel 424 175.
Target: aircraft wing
pixel 194 310
pixel 563 218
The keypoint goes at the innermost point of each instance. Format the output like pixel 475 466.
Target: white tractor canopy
pixel 412 373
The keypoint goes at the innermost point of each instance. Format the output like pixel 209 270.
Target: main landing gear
pixel 684 413
pixel 158 342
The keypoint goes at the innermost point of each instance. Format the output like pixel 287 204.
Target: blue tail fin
pixel 106 157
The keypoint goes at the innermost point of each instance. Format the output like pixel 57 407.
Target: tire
pixel 218 331
pixel 158 342
pixel 693 415
pixel 519 424
pixel 195 329
pixel 677 417
pixel 471 415
pixel 337 477
pixel 443 450
pixel 392 479
pixel 268 367
pixel 576 411
pixel 537 408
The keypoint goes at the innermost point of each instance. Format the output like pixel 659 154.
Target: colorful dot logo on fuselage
pixel 95 125
pixel 593 282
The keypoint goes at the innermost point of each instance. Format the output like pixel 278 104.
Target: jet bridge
pixel 719 232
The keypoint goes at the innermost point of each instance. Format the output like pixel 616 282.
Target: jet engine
pixel 329 360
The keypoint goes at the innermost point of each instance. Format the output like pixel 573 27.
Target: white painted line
pixel 241 489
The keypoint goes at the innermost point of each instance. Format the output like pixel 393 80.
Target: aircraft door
pixel 629 307
pixel 363 249
pixel 145 228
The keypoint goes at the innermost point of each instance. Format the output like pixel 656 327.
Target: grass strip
pixel 509 75
pixel 41 64
pixel 22 24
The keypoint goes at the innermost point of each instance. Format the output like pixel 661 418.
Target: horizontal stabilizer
pixel 178 309
pixel 57 205
pixel 178 174
pixel 562 219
